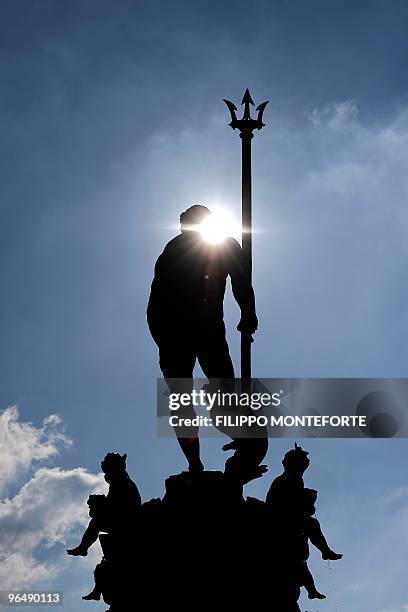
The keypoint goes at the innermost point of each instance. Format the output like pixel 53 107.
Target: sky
pixel 112 123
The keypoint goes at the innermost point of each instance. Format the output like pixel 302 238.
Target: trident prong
pixel 233 110
pixel 261 109
pixel 246 124
pixel 247 100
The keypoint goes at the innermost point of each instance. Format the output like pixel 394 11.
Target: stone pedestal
pixel 202 546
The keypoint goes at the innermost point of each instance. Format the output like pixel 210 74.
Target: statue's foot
pixel 94 595
pixel 316 595
pixel 77 552
pixel 330 555
pixel 195 467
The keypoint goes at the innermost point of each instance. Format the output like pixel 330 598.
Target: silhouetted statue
pixel 293 506
pixel 185 311
pixel 205 537
pixel 113 514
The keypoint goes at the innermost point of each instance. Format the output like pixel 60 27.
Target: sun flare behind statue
pixel 218 226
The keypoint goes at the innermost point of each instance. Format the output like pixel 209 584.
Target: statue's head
pixel 192 217
pixel 296 460
pixel 113 464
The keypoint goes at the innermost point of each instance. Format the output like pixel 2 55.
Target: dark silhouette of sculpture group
pixel 204 544
pixel 203 541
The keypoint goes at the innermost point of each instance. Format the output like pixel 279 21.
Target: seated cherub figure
pixel 119 505
pixel 286 497
pixel 293 506
pixel 113 514
pixel 123 498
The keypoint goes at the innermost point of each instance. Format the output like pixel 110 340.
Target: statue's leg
pixel 105 580
pixel 215 361
pixel 191 450
pixel 177 360
pixel 316 536
pixel 90 536
pixel 308 582
pixel 99 574
pixel 99 577
pixel 213 353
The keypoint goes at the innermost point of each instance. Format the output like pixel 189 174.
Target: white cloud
pixel 354 160
pixel 22 444
pixel 48 509
pixel 336 115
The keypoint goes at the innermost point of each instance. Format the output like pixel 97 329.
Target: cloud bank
pixel 46 513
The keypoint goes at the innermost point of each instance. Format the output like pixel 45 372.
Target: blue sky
pixel 112 122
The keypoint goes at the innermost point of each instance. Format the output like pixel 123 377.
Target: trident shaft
pixel 246 126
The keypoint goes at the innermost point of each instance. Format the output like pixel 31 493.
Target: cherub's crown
pixel 296 456
pixel 113 461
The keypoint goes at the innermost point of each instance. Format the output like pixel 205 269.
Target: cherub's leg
pixel 315 535
pixel 308 583
pixel 90 536
pixel 96 593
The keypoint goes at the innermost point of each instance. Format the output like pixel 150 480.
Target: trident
pixel 246 126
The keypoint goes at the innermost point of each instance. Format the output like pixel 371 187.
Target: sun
pixel 218 226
